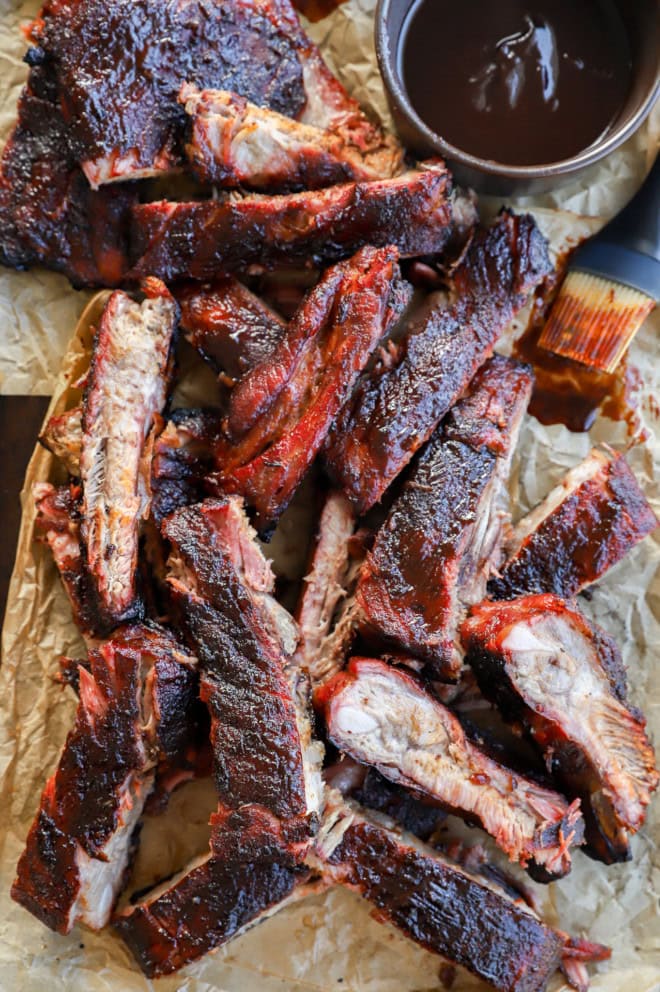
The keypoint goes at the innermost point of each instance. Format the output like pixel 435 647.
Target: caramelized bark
pixel 119 69
pixel 439 904
pixel 441 538
pixel 133 700
pixel 383 717
pixel 281 412
pixel 183 454
pixel 563 679
pixel 230 327
pixel 582 528
pixel 395 409
pixel 49 215
pixel 202 240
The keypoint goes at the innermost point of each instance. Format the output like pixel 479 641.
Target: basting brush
pixel 612 285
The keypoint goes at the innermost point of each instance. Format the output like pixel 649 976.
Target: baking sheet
pixel 330 941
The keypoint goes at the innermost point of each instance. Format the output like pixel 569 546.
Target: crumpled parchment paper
pixel 330 941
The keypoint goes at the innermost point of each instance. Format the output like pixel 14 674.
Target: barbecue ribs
pixel 280 414
pixel 126 388
pixel 383 717
pixel 48 213
pixel 202 240
pixel 233 143
pixel 266 766
pixel 131 715
pixel 584 526
pixel 230 327
pixel 563 680
pixel 437 903
pixel 441 538
pixel 396 408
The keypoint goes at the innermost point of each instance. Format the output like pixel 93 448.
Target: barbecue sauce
pixel 316 10
pixel 522 82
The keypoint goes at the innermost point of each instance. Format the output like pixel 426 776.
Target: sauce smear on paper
pixel 524 82
pixel 316 10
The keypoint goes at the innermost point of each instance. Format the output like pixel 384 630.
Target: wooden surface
pixel 20 420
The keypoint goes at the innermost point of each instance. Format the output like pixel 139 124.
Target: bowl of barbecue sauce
pixel 518 95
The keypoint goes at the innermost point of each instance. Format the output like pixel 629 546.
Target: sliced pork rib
pixel 62 436
pixel 202 240
pixel 48 213
pixel 563 679
pixel 132 702
pixel 441 539
pixel 58 522
pixel 383 717
pixel 182 455
pixel 126 388
pixel 119 70
pixel 266 766
pixel 584 526
pixel 233 143
pixel 396 408
pixel 230 327
pixel 280 414
pixel 437 903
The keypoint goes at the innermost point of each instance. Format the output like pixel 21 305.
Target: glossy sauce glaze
pixel 524 82
pixel 567 392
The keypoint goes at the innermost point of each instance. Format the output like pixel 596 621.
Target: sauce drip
pixel 567 392
pixel 523 82
pixel 316 10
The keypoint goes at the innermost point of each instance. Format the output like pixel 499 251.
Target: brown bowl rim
pixel 589 156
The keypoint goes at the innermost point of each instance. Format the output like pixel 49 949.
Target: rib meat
pixel 126 388
pixel 48 213
pixel 266 766
pixel 328 592
pixel 583 527
pixel 62 436
pixel 396 408
pixel 58 520
pixel 382 716
pixel 281 412
pixel 437 903
pixel 229 326
pixel 563 680
pixel 119 69
pixel 131 713
pixel 234 143
pixel 183 454
pixel 441 539
pixel 201 240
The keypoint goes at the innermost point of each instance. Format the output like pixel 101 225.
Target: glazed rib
pixel 266 766
pixel 233 143
pixel 583 527
pixel 126 388
pixel 58 521
pixel 383 717
pixel 279 415
pixel 130 716
pixel 441 539
pixel 119 70
pixel 437 903
pixel 229 326
pixel 241 882
pixel 563 679
pixel 202 240
pixel 48 213
pixel 395 409
pixel 183 454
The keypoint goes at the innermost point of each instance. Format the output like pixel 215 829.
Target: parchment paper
pixel 330 941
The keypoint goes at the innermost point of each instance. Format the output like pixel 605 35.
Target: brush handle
pixel 627 250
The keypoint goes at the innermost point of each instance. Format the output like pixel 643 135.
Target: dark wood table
pixel 20 420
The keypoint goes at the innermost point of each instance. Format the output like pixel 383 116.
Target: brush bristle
pixel 593 320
